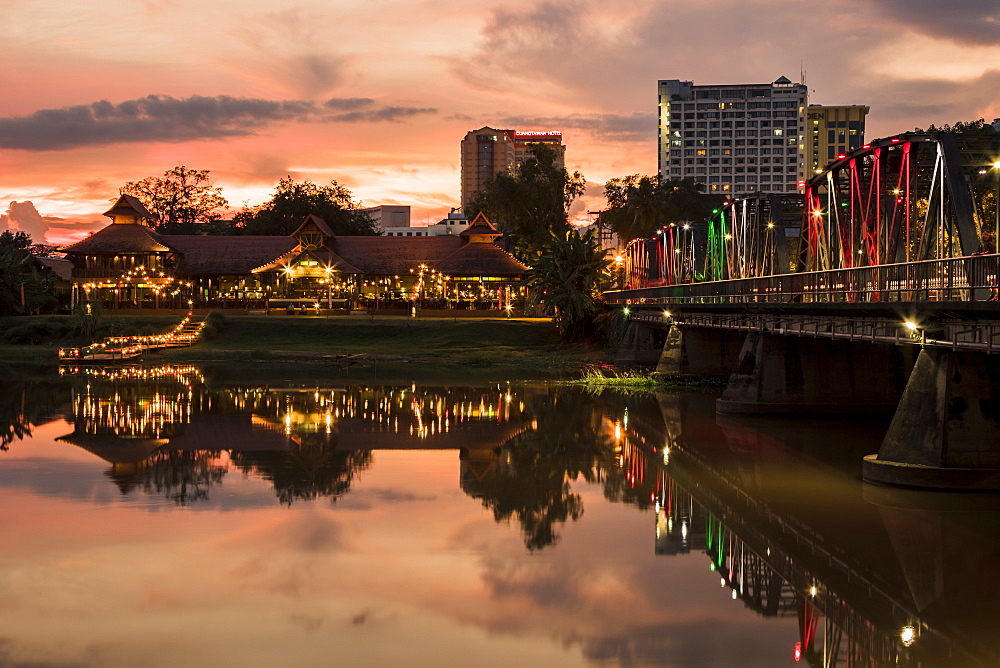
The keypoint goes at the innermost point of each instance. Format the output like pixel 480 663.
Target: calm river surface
pixel 165 517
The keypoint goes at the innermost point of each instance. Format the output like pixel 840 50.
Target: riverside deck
pixel 125 348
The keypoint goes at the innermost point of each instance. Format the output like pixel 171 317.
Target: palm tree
pixel 567 279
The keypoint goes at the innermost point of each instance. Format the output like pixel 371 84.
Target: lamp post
pixel 996 202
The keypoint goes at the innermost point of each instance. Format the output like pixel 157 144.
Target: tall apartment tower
pixel 833 131
pixel 486 152
pixel 736 139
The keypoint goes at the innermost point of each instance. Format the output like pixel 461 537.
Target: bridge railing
pixel 954 279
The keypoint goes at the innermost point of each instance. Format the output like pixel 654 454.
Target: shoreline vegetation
pixel 518 345
pixel 356 347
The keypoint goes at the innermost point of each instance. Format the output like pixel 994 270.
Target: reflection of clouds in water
pixel 367 499
pixel 679 644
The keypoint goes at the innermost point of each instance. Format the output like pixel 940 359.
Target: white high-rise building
pixel 736 139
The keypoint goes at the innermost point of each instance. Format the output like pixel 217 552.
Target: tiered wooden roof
pixel 472 253
pixel 118 238
pixel 227 255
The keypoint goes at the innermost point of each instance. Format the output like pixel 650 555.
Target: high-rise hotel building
pixel 486 152
pixel 736 139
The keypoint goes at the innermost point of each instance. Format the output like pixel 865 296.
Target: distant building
pixel 833 131
pixel 996 124
pixel 388 215
pixel 487 152
pixel 454 224
pixel 734 138
pixel 523 141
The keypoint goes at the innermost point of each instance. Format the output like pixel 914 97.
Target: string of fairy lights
pixel 184 333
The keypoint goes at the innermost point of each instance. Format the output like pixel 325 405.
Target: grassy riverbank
pixel 516 343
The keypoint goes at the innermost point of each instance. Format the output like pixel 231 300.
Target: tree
pixel 567 280
pixel 23 289
pixel 977 127
pixel 640 205
pixel 180 199
pixel 531 204
pixel 531 483
pixel 292 202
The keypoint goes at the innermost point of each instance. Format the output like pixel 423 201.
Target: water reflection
pixel 868 575
pixel 872 575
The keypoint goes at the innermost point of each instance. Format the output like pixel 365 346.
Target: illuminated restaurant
pixel 128 265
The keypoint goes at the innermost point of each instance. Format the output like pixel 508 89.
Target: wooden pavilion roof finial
pixel 129 210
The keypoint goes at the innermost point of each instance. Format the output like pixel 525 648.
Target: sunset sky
pixel 378 94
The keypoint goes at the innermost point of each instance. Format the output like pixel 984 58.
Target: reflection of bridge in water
pixel 885 578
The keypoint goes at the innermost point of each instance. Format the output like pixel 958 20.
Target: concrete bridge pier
pixel 778 374
pixel 641 345
pixel 946 431
pixel 695 351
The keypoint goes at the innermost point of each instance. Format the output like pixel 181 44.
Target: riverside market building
pixel 128 265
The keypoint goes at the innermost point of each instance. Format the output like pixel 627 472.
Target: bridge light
pixel 908 635
pixel 687 226
pixel 625 310
pixel 818 212
pixel 910 325
pixel 996 165
pixel 813 591
pixel 666 314
pixel 770 226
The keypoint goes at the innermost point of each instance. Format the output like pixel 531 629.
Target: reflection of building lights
pixel 722 582
pixel 734 594
pixel 908 635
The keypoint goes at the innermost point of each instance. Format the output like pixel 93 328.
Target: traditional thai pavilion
pixel 129 265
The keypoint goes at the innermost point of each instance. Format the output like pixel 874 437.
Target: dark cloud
pixel 152 118
pixel 385 114
pixel 903 105
pixel 347 103
pixel 684 645
pixel 622 127
pixel 965 22
pixel 161 118
pixel 591 59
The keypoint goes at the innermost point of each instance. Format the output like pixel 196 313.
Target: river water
pixel 163 516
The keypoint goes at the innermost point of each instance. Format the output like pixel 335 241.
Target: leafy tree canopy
pixel 292 201
pixel 182 199
pixel 640 205
pixel 977 127
pixel 23 289
pixel 532 203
